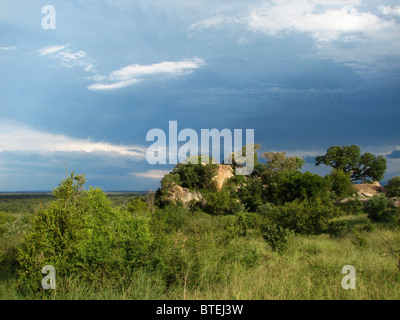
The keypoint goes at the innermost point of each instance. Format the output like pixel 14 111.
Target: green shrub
pixel 291 186
pixel 113 238
pixel 138 205
pixel 80 233
pixel 336 228
pixel 195 175
pixel 341 183
pixel 248 219
pixel 381 209
pixel 172 217
pixel 251 194
pixel 276 236
pixel 302 217
pixel 235 227
pixel 359 239
pixel 5 220
pixel 263 209
pixel 367 227
pixel 169 180
pixel 218 202
pixel 393 187
pixel 351 206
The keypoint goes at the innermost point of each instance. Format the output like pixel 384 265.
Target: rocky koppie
pixel 161 153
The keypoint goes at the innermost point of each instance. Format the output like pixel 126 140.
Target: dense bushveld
pixel 279 234
pixel 101 251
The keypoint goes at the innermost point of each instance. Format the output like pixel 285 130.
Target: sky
pixel 83 84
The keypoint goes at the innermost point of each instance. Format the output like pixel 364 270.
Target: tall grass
pixel 210 263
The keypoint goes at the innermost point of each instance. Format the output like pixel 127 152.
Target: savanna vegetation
pixel 279 233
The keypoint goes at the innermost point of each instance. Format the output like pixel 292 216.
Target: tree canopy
pixel 361 167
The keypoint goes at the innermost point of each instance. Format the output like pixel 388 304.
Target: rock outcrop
pixel 224 173
pixel 396 201
pixel 177 193
pixel 365 191
pixel 368 190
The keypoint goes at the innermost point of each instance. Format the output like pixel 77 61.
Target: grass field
pixel 244 268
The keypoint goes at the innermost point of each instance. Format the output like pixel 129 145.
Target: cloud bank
pixel 343 31
pixel 22 138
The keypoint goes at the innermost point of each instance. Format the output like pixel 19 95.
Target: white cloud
pixel 152 174
pixel 90 68
pixel 52 50
pixel 112 86
pixel 67 57
pixel 131 74
pixel 215 22
pixel 23 138
pixel 386 10
pixel 345 31
pixel 96 77
pixel 121 78
pixel 323 22
pixel 9 48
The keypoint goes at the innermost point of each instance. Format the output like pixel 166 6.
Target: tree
pixel 365 168
pixel 278 162
pixel 345 158
pixel 370 168
pixel 241 154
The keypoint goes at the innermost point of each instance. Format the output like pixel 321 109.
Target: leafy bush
pixel 169 179
pixel 367 227
pixel 336 228
pixel 393 187
pixel 263 209
pixel 352 206
pixel 276 236
pixel 301 217
pixel 235 227
pixel 290 186
pixel 113 238
pixel 231 230
pixel 81 233
pixel 172 217
pixel 5 220
pixel 219 202
pixel 341 183
pixel 138 205
pixel 359 239
pixel 251 194
pixel 195 175
pixel 381 209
